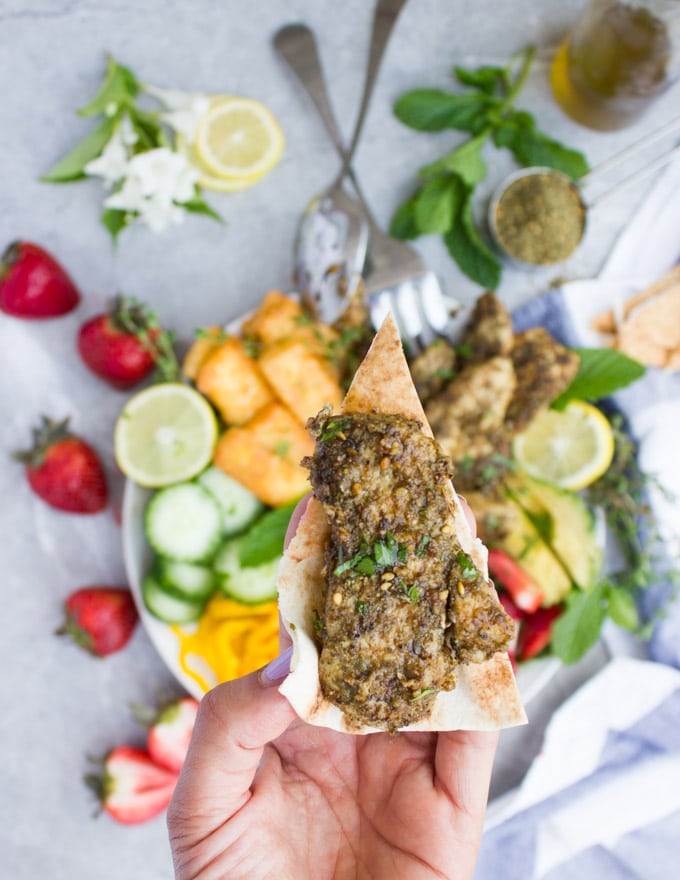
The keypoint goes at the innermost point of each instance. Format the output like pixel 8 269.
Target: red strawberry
pixel 100 619
pixel 132 788
pixel 123 346
pixel 33 284
pixel 64 470
pixel 169 735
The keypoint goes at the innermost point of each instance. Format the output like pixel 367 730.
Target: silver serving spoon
pixel 333 235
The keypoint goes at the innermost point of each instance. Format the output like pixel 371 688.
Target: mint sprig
pixel 601 372
pixel 443 203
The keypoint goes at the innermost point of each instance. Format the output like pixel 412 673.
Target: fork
pixel 396 279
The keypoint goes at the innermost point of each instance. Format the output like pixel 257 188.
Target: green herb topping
pixel 468 569
pixel 423 693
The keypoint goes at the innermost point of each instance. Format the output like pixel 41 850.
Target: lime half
pixel 570 448
pixel 165 434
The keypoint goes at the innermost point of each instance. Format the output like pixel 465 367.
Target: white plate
pixel 532 677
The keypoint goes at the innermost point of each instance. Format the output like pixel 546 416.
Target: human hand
pixel 264 795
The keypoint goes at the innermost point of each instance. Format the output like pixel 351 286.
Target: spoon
pixel 333 235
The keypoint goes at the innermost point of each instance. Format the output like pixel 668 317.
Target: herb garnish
pixel 443 202
pixel 335 427
pixel 372 560
pixel 601 371
pixel 422 544
pixel 423 693
pixel 412 593
pixel 468 568
pixel 361 606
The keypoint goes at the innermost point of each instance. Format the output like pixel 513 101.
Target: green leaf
pixel 578 627
pixel 485 78
pixel 404 224
pixel 198 205
pixel 115 221
pixel 120 86
pixel 147 128
pixel 601 371
pixel 470 252
pixel 621 608
pixel 435 110
pixel 72 166
pixel 465 161
pixel 531 147
pixel 264 540
pixel 437 204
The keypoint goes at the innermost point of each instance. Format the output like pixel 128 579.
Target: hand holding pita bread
pixel 263 794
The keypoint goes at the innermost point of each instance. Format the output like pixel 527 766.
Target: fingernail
pixel 277 670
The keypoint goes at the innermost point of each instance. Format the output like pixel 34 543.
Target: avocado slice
pixel 565 524
pixel 532 553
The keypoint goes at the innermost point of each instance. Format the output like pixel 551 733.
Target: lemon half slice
pixel 238 138
pixel 206 179
pixel 165 434
pixel 570 448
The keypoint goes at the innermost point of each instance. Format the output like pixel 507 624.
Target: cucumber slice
pixel 184 522
pixel 186 579
pixel 167 607
pixel 250 585
pixel 239 506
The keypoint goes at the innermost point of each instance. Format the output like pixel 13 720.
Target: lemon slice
pixel 206 179
pixel 165 434
pixel 570 448
pixel 238 138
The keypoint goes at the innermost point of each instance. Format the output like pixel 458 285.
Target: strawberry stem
pixel 9 257
pixel 45 435
pixel 136 319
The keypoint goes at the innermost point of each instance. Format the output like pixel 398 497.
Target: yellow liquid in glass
pixel 612 66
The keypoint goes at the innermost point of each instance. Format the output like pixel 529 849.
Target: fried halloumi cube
pixel 303 380
pixel 264 455
pixel 231 379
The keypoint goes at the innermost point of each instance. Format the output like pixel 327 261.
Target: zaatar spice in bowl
pixel 537 217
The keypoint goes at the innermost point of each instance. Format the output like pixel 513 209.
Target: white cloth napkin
pixel 602 799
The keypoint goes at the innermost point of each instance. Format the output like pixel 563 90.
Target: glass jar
pixel 619 56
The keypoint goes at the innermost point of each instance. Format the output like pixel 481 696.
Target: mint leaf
pixel 529 146
pixel 437 204
pixel 486 78
pixel 72 166
pixel 404 224
pixel 465 161
pixel 264 540
pixel 578 627
pixel 470 252
pixel 621 607
pixel 115 221
pixel 601 372
pixel 120 86
pixel 435 110
pixel 198 205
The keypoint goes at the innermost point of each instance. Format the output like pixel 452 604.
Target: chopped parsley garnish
pixel 361 606
pixel 423 693
pixel 372 560
pixel 413 593
pixel 468 569
pixel 317 622
pixel 422 544
pixel 334 427
pixel 282 448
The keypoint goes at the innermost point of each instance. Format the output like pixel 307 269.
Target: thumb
pixel 235 722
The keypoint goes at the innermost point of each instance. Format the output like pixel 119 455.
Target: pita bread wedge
pixel 486 695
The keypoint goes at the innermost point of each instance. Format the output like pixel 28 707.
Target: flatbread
pixel 486 695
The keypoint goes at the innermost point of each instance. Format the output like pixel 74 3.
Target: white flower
pixel 112 163
pixel 157 182
pixel 186 109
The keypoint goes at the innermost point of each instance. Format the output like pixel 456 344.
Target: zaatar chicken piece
pixel 488 332
pixel 544 368
pixel 469 412
pixel 433 368
pixel 404 604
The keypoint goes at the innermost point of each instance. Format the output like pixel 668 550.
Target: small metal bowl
pixel 496 205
